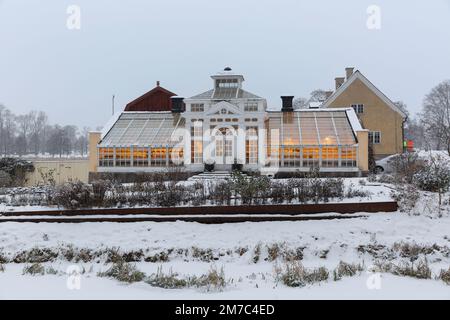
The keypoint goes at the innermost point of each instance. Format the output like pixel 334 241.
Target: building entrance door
pixel 224 147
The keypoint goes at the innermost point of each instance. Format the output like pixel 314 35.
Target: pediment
pixel 224 108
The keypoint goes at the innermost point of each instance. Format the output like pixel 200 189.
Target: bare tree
pixel 300 103
pixel 38 124
pixel 435 115
pixel 318 95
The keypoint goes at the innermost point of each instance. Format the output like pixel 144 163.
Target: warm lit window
pixel 375 137
pixel 311 156
pixel 106 157
pixel 140 157
pixel 291 156
pixel 123 157
pixel 330 156
pixel 176 156
pixel 251 145
pixel 158 157
pixel 197 142
pixel 348 156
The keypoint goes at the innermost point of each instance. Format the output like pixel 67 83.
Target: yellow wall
pixel 60 170
pixel 94 139
pixel 377 116
pixel 363 150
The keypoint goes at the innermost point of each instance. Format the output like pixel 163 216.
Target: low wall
pixel 60 170
pixel 281 209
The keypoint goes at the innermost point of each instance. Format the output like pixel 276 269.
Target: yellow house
pixel 375 110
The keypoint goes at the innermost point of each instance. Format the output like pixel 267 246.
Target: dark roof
pixel 157 99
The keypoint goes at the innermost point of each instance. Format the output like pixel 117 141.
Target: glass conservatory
pixel 143 140
pixel 305 138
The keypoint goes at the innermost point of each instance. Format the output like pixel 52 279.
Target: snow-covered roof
pixel 314 126
pixel 143 129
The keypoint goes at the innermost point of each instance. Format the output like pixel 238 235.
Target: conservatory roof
pixel 144 129
pixel 225 93
pixel 318 127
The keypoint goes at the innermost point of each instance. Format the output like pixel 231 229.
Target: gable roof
pixel 158 90
pixel 358 75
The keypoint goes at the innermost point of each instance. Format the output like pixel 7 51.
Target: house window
pixel 251 145
pixel 158 156
pixel 359 108
pixel 348 156
pixel 251 106
pixel 123 157
pixel 197 142
pixel 140 157
pixel 375 137
pixel 197 107
pixel 330 156
pixel 106 157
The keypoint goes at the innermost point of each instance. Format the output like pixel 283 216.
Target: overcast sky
pixel 281 47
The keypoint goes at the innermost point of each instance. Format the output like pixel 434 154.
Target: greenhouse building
pixel 227 128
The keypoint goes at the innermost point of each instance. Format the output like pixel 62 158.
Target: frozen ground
pixel 193 248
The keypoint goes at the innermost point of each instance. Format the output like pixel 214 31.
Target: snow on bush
pixel 74 195
pixel 434 177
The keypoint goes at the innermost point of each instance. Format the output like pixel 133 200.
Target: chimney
pixel 157 83
pixel 328 94
pixel 287 104
pixel 177 104
pixel 339 81
pixel 349 72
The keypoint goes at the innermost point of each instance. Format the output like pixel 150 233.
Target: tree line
pixel 32 134
pixel 429 129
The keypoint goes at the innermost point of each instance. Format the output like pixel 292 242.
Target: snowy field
pixel 245 251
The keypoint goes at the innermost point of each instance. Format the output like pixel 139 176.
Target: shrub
pixel 203 254
pixel 420 271
pixel 14 171
pixel 295 275
pixel 2 268
pixel 74 195
pixel 434 177
pixel 166 281
pixel 159 257
pixel 3 258
pixel 257 253
pixel 346 270
pixel 405 166
pixel 124 272
pixel 35 255
pixel 445 276
pixel 273 251
pixel 51 270
pixel 406 197
pixel 99 189
pixel 214 280
pixel 34 269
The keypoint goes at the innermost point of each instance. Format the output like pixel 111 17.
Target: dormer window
pixel 227 83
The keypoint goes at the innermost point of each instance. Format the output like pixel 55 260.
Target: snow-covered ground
pixel 192 249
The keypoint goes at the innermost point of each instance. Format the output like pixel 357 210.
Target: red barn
pixel 157 99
